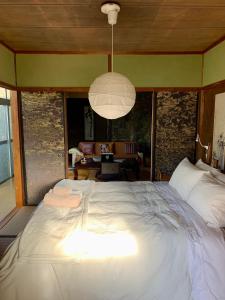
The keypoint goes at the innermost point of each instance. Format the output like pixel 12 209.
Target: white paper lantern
pixel 112 95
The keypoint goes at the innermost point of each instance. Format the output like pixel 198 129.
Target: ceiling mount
pixel 111 9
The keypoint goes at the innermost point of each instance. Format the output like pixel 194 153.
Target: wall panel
pixel 161 70
pixel 214 65
pixel 7 67
pixel 176 118
pixel 59 70
pixel 43 131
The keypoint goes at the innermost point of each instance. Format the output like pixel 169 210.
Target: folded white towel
pixel 62 190
pixel 71 201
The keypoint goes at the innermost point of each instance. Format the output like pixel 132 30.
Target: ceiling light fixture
pixel 111 95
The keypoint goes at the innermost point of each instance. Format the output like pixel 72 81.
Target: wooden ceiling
pixel 78 26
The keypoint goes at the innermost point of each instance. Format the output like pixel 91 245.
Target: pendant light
pixel 111 95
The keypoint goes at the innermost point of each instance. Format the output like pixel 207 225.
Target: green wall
pixel 214 64
pixel 7 67
pixel 59 70
pixel 71 70
pixel 54 70
pixel 161 70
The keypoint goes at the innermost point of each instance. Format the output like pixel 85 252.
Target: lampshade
pixel 112 95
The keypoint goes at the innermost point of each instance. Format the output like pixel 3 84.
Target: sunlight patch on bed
pixel 90 245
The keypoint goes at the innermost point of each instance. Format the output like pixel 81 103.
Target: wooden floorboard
pixel 4 243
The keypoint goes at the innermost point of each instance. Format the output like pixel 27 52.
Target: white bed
pixel 127 240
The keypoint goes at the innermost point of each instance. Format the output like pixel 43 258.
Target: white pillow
pixel 184 178
pixel 208 200
pixel 216 173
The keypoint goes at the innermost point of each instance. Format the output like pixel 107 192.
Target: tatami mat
pixel 18 221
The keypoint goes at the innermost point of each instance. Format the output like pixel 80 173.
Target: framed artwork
pixel 219 130
pixel 88 124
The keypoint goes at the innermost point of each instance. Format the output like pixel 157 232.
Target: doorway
pixel 84 125
pixel 7 185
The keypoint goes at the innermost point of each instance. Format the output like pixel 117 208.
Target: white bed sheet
pixel 130 240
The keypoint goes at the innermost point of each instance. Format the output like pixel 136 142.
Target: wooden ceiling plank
pixel 143 26
pixel 39 16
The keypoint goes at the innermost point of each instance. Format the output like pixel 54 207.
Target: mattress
pixel 127 240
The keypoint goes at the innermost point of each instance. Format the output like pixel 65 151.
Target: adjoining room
pixel 127 138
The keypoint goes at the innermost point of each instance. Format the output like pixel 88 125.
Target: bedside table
pixel 70 173
pixel 162 176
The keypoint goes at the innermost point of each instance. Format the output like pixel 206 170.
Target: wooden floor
pixel 4 243
pixel 15 225
pixel 7 198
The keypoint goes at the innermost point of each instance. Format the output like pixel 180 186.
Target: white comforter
pixel 128 240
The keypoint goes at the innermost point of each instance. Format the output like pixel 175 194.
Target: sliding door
pixel 7 188
pixel 6 158
pixel 43 137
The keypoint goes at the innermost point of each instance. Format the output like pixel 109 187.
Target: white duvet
pixel 127 240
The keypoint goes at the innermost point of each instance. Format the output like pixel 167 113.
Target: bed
pixel 127 240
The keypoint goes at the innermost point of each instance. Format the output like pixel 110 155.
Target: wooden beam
pixel 109 63
pixel 7 46
pixel 65 135
pixel 69 52
pixel 7 85
pixel 53 89
pixel 17 149
pixel 153 136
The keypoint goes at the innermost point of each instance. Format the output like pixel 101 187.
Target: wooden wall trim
pixel 86 89
pixel 17 149
pixel 65 135
pixel 109 52
pixel 199 150
pixel 172 89
pixel 214 44
pixel 153 137
pixel 7 46
pixel 110 63
pixel 53 89
pixel 15 69
pixel 215 85
pixel 7 85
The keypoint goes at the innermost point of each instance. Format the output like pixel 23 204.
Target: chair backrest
pixel 110 168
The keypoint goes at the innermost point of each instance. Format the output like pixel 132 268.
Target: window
pixel 6 159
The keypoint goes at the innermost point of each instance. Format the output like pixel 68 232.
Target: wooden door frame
pixel 206 116
pixel 17 148
pixel 153 136
pixel 66 158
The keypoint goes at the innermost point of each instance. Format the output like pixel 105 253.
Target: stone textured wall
pixel 43 129
pixel 176 119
